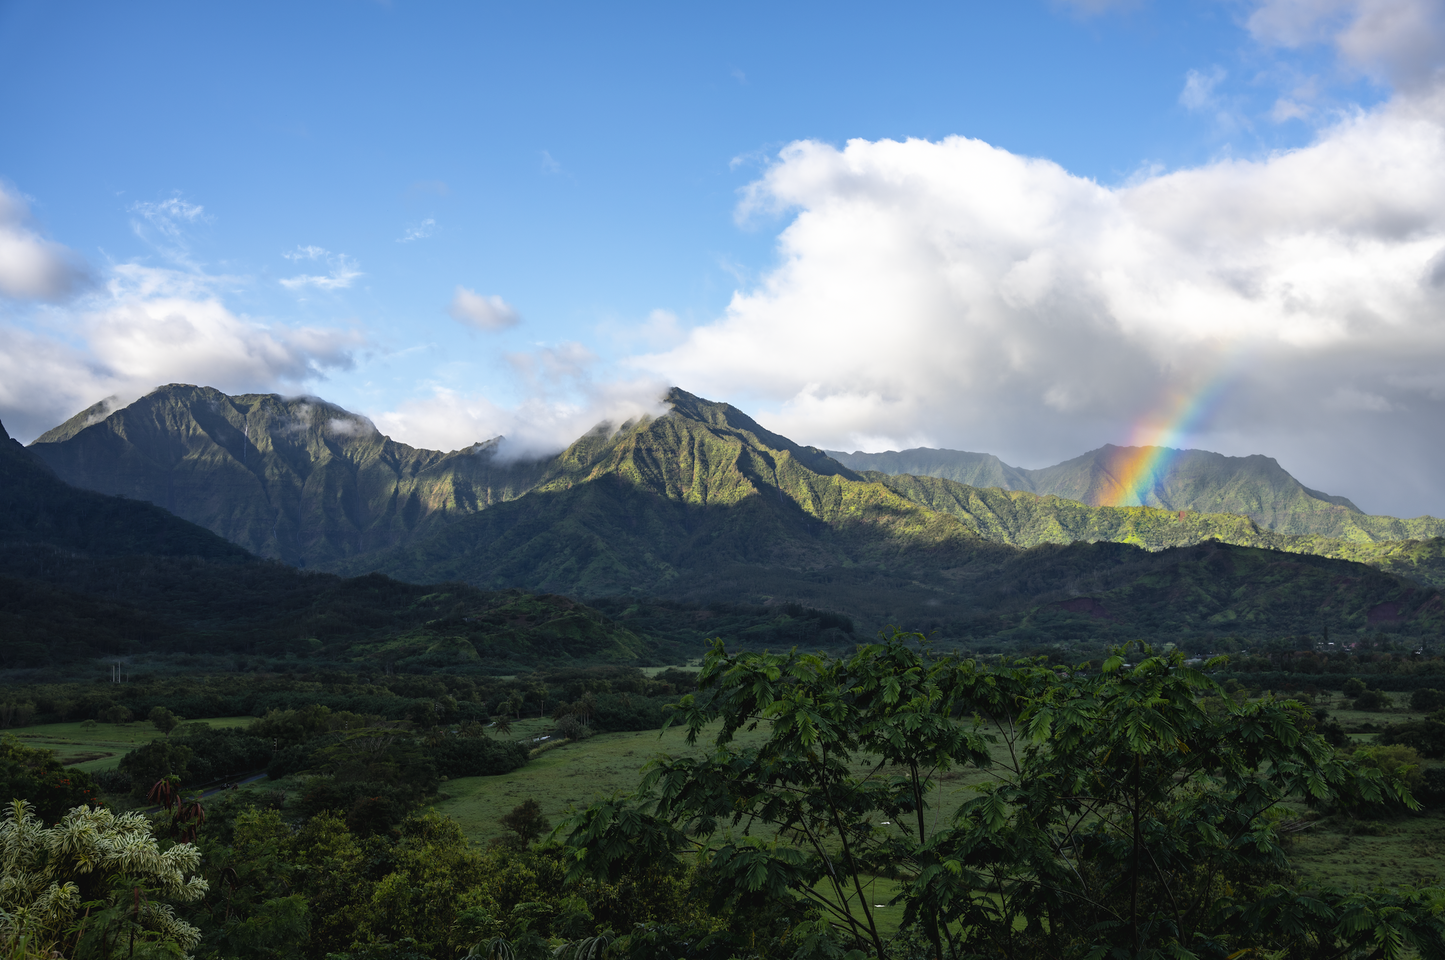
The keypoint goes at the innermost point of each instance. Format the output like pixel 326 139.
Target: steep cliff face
pixel 297 479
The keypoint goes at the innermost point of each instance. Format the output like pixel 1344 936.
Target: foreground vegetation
pixel 895 803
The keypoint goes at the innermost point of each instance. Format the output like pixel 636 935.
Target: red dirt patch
pixel 1387 612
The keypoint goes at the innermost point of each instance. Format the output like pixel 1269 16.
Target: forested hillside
pixel 1255 487
pixel 86 575
pixel 296 479
pixel 704 505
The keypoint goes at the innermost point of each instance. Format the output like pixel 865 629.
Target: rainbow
pixel 1155 443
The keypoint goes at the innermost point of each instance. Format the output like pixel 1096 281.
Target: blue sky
pixel 467 219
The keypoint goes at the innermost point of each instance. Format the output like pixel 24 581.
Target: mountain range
pixel 309 483
pixel 85 575
pixel 1256 487
pixel 704 506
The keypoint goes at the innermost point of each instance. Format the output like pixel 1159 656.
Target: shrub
pixel 163 720
pixel 464 757
pixel 38 777
pixel 155 761
pixel 573 728
pixel 1428 700
pixel 1373 700
pixel 1432 787
pixel 1425 736
pixel 113 781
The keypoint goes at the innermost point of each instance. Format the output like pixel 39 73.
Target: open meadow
pixel 93 746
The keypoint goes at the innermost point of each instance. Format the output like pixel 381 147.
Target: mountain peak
pixel 725 416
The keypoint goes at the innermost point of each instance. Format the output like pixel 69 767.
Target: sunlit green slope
pixel 1256 487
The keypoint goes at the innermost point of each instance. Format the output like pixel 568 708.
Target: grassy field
pixel 1337 851
pixel 572 775
pixel 1373 853
pixel 101 745
pixel 575 774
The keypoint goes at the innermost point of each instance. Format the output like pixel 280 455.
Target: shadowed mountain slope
pixel 296 479
pixel 85 575
pixel 36 507
pixel 704 505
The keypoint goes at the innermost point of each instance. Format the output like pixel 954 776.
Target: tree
pixel 1353 687
pixel 163 720
pixel 155 761
pixel 96 883
pixel 1427 700
pixel 1121 817
pixel 526 822
pixel 1373 700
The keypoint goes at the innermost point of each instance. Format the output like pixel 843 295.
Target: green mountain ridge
pixel 1256 487
pixel 304 481
pixel 704 505
pixel 86 575
pixel 1026 520
pixel 299 479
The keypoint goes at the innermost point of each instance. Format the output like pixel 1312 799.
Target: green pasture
pixel 1373 853
pixel 100 745
pixel 573 775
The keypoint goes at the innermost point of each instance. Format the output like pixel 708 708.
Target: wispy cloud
pixel 166 225
pixel 341 273
pixel 419 232
pixel 485 313
pixel 167 216
pixel 550 165
pixel 1198 92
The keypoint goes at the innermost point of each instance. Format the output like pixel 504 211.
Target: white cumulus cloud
pixel 483 312
pixel 150 327
pixel 960 294
pixel 32 267
pixel 1398 41
pixel 543 423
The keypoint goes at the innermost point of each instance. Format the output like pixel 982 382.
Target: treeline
pixel 627 699
pixel 1277 668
